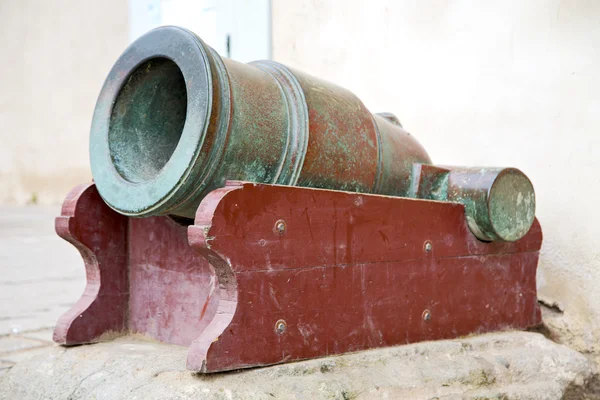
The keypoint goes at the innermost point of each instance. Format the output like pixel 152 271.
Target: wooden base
pixel 270 274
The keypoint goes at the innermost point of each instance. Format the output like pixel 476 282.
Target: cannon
pixel 261 215
pixel 174 121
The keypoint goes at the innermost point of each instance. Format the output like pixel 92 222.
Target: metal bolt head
pixel 280 226
pixel 426 315
pixel 428 246
pixel 280 327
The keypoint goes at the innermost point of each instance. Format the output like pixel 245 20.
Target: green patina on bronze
pixel 511 205
pixel 174 121
pixel 261 122
pixel 499 202
pixel 147 119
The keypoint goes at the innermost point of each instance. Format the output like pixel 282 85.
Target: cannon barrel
pixel 174 121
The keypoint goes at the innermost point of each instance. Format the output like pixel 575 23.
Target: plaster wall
pixel 500 83
pixel 53 61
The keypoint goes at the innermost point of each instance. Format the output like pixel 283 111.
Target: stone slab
pixel 9 344
pixel 19 356
pixel 44 335
pixel 509 365
pixel 5 364
pixel 42 275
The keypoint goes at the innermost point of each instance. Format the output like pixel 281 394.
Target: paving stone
pixel 5 366
pixel 23 355
pixel 9 344
pixel 43 335
pixel 42 275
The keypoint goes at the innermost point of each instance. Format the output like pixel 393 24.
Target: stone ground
pixel 510 365
pixel 41 276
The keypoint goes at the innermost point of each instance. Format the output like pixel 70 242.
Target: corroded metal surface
pixel 499 202
pixel 174 120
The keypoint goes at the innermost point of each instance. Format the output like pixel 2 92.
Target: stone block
pixel 509 365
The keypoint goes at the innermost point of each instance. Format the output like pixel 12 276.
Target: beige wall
pixel 506 83
pixel 54 58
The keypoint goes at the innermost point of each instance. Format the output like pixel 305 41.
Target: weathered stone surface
pixel 42 334
pixel 510 365
pixel 20 355
pixel 5 366
pixel 42 275
pixel 9 344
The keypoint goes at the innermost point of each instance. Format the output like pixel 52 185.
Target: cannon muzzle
pixel 174 121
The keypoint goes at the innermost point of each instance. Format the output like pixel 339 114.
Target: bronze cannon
pixel 174 120
pixel 284 221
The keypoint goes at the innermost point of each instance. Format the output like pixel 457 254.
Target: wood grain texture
pixel 99 234
pixel 142 275
pixel 348 272
pixel 351 272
